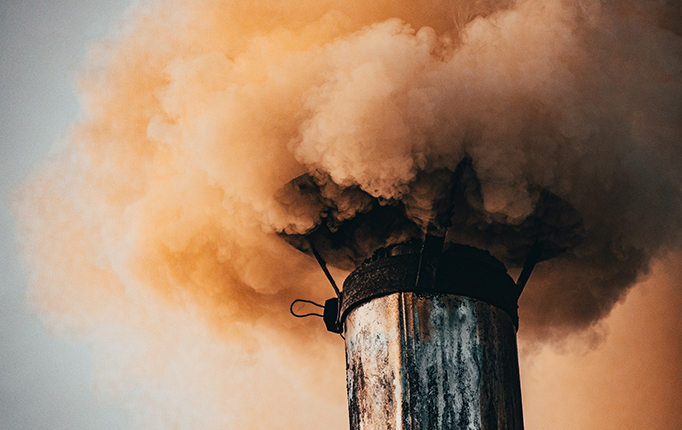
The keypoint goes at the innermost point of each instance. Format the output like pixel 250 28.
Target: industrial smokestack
pixel 430 332
pixel 442 356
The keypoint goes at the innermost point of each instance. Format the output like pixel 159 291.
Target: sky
pixel 45 381
pixel 65 366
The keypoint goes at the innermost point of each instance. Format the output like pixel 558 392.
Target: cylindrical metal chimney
pixel 435 355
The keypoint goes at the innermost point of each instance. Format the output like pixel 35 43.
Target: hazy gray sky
pixel 44 379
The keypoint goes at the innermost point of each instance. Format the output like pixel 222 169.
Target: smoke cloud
pixel 157 230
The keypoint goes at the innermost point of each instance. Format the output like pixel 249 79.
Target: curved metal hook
pixel 291 309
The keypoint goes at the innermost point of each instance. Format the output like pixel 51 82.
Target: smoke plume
pixel 212 130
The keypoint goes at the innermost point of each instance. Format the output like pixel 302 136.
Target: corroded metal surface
pixel 431 361
pixel 462 271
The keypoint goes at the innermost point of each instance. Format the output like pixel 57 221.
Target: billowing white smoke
pixel 154 231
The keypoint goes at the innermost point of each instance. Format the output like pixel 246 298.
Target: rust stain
pixel 432 361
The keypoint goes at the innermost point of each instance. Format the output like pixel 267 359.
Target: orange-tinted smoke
pixel 627 376
pixel 153 231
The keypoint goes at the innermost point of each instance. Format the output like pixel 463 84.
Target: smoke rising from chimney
pixel 155 231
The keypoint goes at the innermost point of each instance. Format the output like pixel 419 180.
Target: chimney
pixel 435 355
pixel 430 327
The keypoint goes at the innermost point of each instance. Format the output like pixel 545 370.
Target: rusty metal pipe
pixel 439 359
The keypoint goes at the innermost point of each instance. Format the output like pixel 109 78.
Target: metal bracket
pixel 531 260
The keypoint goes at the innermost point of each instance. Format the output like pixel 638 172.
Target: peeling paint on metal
pixel 431 361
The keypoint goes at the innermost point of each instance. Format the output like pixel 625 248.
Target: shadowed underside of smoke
pixel 352 224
